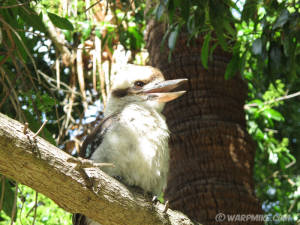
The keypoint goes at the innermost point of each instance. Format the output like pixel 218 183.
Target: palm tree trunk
pixel 212 155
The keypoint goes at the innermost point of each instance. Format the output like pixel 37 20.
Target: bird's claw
pixel 155 199
pixel 166 206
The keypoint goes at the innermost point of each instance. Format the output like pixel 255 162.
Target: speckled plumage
pixel 138 147
pixel 137 142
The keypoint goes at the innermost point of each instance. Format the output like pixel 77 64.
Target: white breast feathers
pixel 138 147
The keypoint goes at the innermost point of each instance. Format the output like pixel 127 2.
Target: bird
pixel 133 134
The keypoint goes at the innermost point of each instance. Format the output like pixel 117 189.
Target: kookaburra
pixel 133 134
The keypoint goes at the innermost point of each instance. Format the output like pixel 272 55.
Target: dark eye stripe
pixel 139 83
pixel 120 92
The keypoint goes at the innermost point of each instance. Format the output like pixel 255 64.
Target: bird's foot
pixel 155 199
pixel 119 178
pixel 80 164
pixel 166 206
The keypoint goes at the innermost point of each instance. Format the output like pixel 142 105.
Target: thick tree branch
pixel 40 165
pixel 59 44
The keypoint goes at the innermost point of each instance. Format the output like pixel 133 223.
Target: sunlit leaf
pixel 249 10
pixel 232 67
pixel 159 11
pixel 273 114
pixel 60 22
pixel 205 50
pixel 173 38
pixel 257 47
pixel 185 9
pixel 32 19
pixel 282 19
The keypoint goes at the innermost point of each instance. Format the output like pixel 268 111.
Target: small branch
pixel 59 44
pixel 48 79
pixel 111 201
pixel 35 207
pixel 93 5
pixel 86 163
pixel 2 191
pixel 25 128
pixel 39 131
pixel 13 212
pixel 247 106
pixel 166 207
pixel 23 44
pixel 13 6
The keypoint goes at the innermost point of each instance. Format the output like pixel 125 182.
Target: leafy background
pixel 45 44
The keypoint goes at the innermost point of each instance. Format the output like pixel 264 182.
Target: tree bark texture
pixel 45 168
pixel 212 155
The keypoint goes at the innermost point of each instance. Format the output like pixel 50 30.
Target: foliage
pixel 47 211
pixel 39 64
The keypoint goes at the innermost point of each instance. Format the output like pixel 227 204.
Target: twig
pixel 55 81
pixel 7 92
pixel 247 106
pixel 166 207
pixel 3 60
pixel 13 6
pixel 35 207
pixel 23 199
pixel 98 52
pixel 57 70
pixel 2 191
pixel 25 128
pixel 58 42
pixel 41 128
pixel 93 5
pixel 275 174
pixel 292 206
pixel 14 97
pixel 13 212
pixel 24 46
pixel 85 163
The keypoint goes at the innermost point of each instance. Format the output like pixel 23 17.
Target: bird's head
pixel 142 85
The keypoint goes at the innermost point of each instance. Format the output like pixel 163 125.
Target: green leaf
pixel 212 49
pixel 257 47
pixel 32 19
pixel 229 28
pixel 185 9
pixel 86 31
pixel 171 10
pixel 173 37
pixel 249 10
pixel 243 63
pixel 159 11
pixel 282 19
pixel 275 55
pixel 205 50
pixel 9 196
pixel 221 38
pixel 232 67
pixel 273 114
pixel 60 22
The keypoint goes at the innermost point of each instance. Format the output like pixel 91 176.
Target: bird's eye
pixel 139 83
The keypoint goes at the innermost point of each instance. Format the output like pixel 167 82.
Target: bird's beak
pixel 161 91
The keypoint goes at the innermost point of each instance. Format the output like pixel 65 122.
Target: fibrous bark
pixel 212 155
pixel 50 171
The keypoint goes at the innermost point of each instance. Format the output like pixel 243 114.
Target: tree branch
pixel 45 168
pixel 247 106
